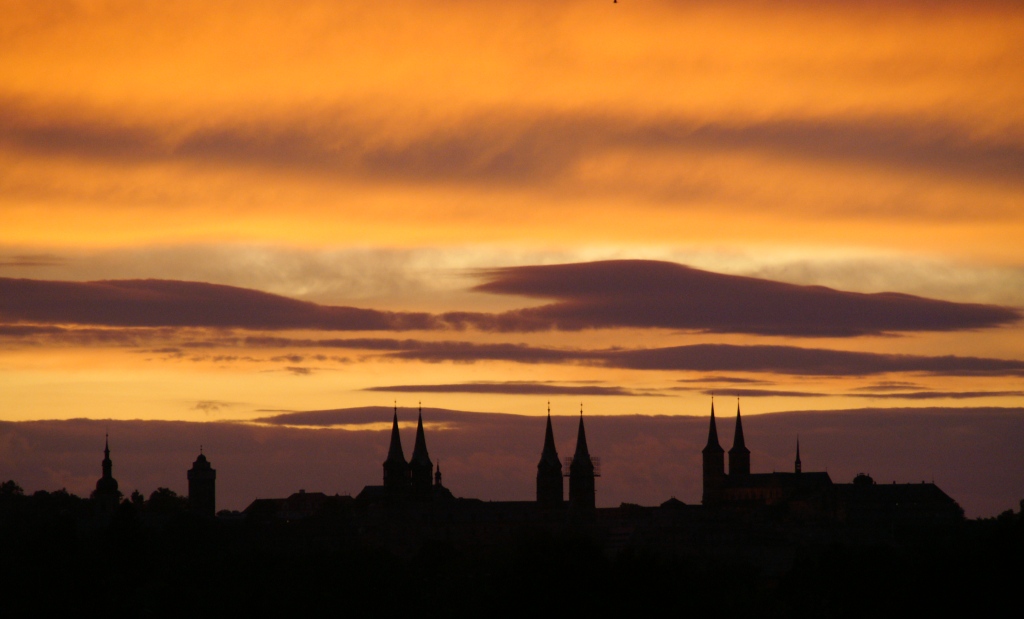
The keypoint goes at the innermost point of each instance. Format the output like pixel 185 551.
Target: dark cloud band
pixel 650 294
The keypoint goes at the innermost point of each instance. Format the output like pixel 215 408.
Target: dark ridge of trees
pixel 152 558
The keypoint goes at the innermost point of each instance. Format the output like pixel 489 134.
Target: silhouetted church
pixel 106 497
pixel 812 494
pixel 416 480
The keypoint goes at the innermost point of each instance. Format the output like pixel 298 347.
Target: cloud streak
pixel 503 147
pixel 645 293
pixel 168 303
pixel 773 359
pixel 514 388
pixel 594 295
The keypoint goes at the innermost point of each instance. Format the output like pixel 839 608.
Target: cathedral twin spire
pixel 550 485
pixel 417 474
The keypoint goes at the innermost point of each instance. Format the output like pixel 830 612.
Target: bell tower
pixel 550 485
pixel 739 455
pixel 714 464
pixel 202 491
pixel 421 468
pixel 396 469
pixel 581 473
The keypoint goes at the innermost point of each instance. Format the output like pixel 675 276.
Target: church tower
pixel 739 455
pixel 202 492
pixel 106 495
pixel 714 464
pixel 796 465
pixel 550 485
pixel 396 469
pixel 581 473
pixel 421 467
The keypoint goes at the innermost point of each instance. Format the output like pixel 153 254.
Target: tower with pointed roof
pixel 421 468
pixel 714 464
pixel 739 455
pixel 106 495
pixel 796 464
pixel 202 490
pixel 581 473
pixel 550 484
pixel 396 469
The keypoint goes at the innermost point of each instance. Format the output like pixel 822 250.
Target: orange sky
pixel 371 156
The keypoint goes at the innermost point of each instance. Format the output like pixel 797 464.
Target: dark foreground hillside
pixel 158 561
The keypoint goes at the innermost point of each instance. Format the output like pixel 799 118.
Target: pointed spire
pixel 713 444
pixel 395 453
pixel 437 475
pixel 419 450
pixel 549 455
pixel 738 444
pixel 581 441
pixel 106 446
pixel 739 455
pixel 797 466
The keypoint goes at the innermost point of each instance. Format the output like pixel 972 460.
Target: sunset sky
pixel 222 211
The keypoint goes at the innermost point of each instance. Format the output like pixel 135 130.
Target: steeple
pixel 107 464
pixel 550 485
pixel 396 469
pixel 796 465
pixel 581 472
pixel 713 446
pixel 739 455
pixel 420 465
pixel 437 475
pixel 106 495
pixel 714 464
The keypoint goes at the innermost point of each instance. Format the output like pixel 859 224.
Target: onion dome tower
pixel 202 491
pixel 550 485
pixel 739 455
pixel 714 464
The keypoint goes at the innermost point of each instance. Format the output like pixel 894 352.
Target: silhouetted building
pixel 106 495
pixel 866 503
pixel 202 492
pixel 550 484
pixel 417 480
pixel 581 473
pixel 741 490
pixel 739 455
pixel 813 495
pixel 421 468
pixel 714 464
pixel 397 476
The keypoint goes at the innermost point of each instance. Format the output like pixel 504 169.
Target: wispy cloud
pixel 515 388
pixel 937 395
pixel 504 146
pixel 32 260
